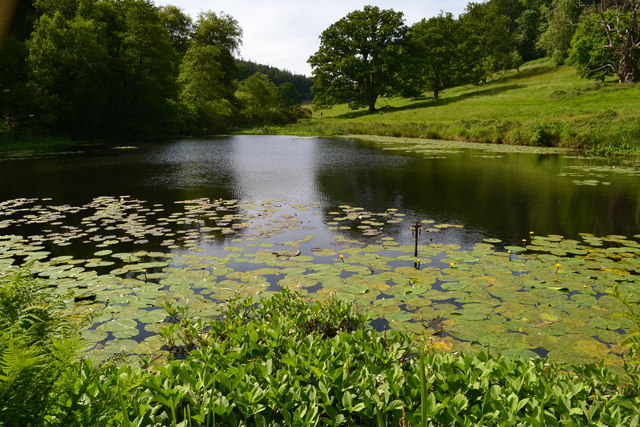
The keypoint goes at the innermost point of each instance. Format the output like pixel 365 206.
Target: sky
pixel 285 33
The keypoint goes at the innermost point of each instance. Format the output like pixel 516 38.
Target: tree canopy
pixel 359 58
pixel 123 68
pixel 607 42
pixel 301 82
pixel 208 70
pixel 437 55
pixel 561 21
pixel 127 68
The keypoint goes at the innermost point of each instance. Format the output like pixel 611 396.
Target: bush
pixel 543 135
pixel 284 361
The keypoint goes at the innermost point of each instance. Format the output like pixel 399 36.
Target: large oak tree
pixel 359 59
pixel 438 56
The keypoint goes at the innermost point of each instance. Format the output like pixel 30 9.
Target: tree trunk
pixel 628 72
pixel 622 36
pixel 372 105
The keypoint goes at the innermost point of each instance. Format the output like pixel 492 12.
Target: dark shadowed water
pixel 503 196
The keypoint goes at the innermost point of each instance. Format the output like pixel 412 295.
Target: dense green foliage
pixel 284 361
pixel 276 75
pixel 101 68
pixel 562 18
pixel 264 102
pixel 438 58
pixel 115 69
pixel 36 345
pixel 607 41
pixel 599 37
pixel 371 53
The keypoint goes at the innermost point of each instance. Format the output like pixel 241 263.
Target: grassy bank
pixel 10 147
pixel 541 105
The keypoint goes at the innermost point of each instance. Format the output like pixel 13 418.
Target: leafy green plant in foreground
pixel 281 360
pixel 42 379
pixel 263 367
pixel 36 345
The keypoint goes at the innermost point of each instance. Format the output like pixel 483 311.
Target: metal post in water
pixel 416 230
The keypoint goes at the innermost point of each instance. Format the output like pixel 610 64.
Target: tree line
pixel 301 82
pixel 127 68
pixel 372 53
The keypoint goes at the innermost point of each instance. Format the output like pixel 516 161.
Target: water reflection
pixel 504 195
pixel 196 168
pixel 275 168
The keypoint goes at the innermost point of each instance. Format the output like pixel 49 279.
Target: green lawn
pixel 540 105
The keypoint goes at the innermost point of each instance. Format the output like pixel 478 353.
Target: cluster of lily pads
pixel 119 260
pixel 432 147
pixel 597 174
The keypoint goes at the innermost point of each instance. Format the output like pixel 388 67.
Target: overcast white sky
pixel 285 33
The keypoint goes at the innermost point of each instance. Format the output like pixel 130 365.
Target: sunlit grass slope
pixel 539 105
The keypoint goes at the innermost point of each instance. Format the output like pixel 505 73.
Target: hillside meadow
pixel 540 105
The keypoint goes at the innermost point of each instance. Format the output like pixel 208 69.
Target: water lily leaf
pixel 453 286
pixel 398 317
pixel 125 333
pixel 120 345
pixel 122 324
pixel 153 316
pixel 355 288
pixel 94 336
pixel 585 300
pixel 604 323
pixel 492 240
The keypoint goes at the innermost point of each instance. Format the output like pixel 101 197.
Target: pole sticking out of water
pixel 416 230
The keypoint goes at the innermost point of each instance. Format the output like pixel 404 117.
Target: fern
pixel 632 312
pixel 38 350
pixel 22 367
pixel 632 341
pixel 15 359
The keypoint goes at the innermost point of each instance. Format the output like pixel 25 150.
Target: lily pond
pixel 517 248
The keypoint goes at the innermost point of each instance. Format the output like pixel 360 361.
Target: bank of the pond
pixel 541 105
pixel 17 145
pixel 39 146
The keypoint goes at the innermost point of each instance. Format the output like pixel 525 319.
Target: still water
pixel 492 196
pixel 205 221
